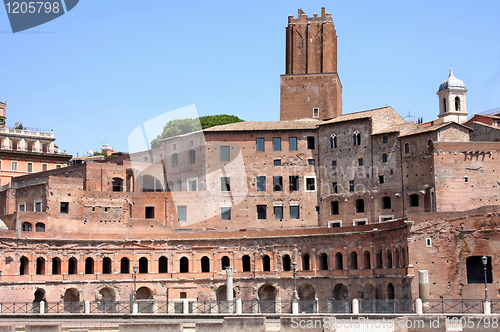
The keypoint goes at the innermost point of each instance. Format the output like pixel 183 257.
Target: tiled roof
pixel 402 129
pixel 266 125
pixel 433 128
pixel 358 115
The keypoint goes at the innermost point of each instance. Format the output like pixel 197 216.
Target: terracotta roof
pixel 433 128
pixel 358 115
pixel 402 129
pixel 266 125
pixel 484 124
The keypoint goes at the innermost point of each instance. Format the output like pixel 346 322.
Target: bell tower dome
pixel 452 106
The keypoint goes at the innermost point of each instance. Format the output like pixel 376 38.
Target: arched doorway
pixel 71 301
pixel 221 296
pixel 340 292
pixel 24 264
pixel 107 301
pixel 267 297
pixel 39 297
pixel 307 298
pixel 145 299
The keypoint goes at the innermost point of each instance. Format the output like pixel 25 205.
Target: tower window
pixel 457 104
pixel 444 105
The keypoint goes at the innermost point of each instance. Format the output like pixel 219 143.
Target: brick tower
pixel 311 87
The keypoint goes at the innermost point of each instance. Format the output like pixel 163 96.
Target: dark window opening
pixel 277 183
pixel 360 161
pixel 26 227
pixel 414 200
pixel 310 184
pixel 333 142
pixel 175 160
pixel 475 270
pixel 278 212
pixel 378 258
pixel 294 212
pixel 351 186
pixel 386 202
pixel 24 266
pixel 286 262
pixel 150 212
pixel 311 162
pixel 225 153
pixel 385 139
pixel 294 183
pixel 106 265
pixel 40 265
pixel 334 208
pixel 184 265
pixel 261 183
pixel 261 212
pixel 339 264
pixel 335 189
pixel 334 163
pixel 246 263
pixel 292 143
pixel 384 158
pixel 89 265
pixel 277 162
pixel 40 227
pixel 191 157
pixel 117 184
pixel 356 138
pixel 380 179
pixel 124 265
pixel 260 145
pixel 310 142
pixel 276 144
pixel 225 263
pixel 225 183
pixel 266 263
pixel 407 148
pixel 72 266
pixel 143 265
pixel 182 213
pixel 457 104
pixel 205 264
pixel 354 261
pixel 367 262
pixel 323 262
pixel 64 207
pixel 56 265
pixel 163 265
pixel 360 206
pixel 306 262
pixel 225 213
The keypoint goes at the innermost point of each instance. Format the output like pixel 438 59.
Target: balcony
pixel 24 133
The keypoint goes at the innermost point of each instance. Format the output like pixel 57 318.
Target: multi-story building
pixel 360 202
pixel 24 151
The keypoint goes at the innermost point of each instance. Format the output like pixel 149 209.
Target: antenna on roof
pixel 411 118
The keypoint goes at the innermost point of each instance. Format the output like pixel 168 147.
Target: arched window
pixel 306 262
pixel 89 265
pixel 245 261
pixel 367 263
pixel 266 263
pixel 444 105
pixel 457 104
pixel 40 265
pixel 403 257
pixel 143 265
pixel 286 262
pixel 72 266
pixel 389 259
pixel 205 264
pixel 339 264
pixel 163 265
pixel 225 262
pixel 26 227
pixel 117 184
pixel 333 141
pixel 40 227
pixel 323 262
pixel 396 258
pixel 407 148
pixel 354 260
pixel 356 138
pixel 56 265
pixel 124 265
pixel 106 265
pixel 24 264
pixel 184 265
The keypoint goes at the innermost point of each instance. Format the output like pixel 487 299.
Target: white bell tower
pixel 452 106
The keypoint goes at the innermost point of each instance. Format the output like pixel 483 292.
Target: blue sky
pixel 106 67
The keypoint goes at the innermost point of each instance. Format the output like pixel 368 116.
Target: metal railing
pixel 386 306
pixel 445 306
pixel 495 306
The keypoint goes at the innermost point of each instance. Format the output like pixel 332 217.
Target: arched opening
pixel 26 227
pixel 366 258
pixel 162 264
pixel 333 141
pixel 39 295
pixel 356 138
pixel 56 265
pixel 339 264
pixel 286 262
pixel 221 296
pixel 266 263
pixel 389 259
pixel 40 265
pixel 144 293
pixel 457 104
pixel 184 265
pixel 340 292
pixel 72 266
pixel 354 260
pixel 24 264
pixel 151 184
pixel 205 264
pixel 108 298
pixel 407 147
pixel 368 292
pixel 390 291
pixel 145 300
pixel 106 265
pixel 246 262
pixel 225 263
pixel 117 184
pixel 89 265
pixel 40 227
pixel 267 296
pixel 403 257
pixel 444 105
pixel 307 297
pixel 323 262
pixel 143 265
pixel 396 258
pixel 378 258
pixel 306 262
pixel 71 301
pixel 124 265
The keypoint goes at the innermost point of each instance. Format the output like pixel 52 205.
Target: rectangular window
pixel 182 213
pixel 261 212
pixel 45 167
pixel 175 160
pixel 21 207
pixel 385 139
pixel 276 144
pixel 261 183
pixel 277 183
pixel 311 162
pixel 310 183
pixel 225 213
pixel 360 161
pixel 150 212
pixel 292 143
pixel 334 208
pixel 351 186
pixel 14 166
pixel 277 162
pixel 278 212
pixel 332 224
pixel 294 183
pixel 192 156
pixel 64 207
pixel 191 143
pixel 380 179
pixel 310 142
pixel 192 184
pixel 38 206
pixel 334 164
pixel 335 189
pixel 225 183
pixel 224 153
pixel 315 112
pixel 29 167
pixel 384 158
pixel 294 212
pixel 260 145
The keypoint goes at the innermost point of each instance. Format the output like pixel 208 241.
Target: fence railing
pixel 255 306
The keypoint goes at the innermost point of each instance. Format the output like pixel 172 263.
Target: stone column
pixel 229 289
pixel 423 288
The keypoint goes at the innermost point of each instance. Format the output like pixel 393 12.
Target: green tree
pixel 184 126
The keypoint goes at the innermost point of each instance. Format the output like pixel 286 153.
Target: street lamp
pixel 294 266
pixel 135 281
pixel 485 262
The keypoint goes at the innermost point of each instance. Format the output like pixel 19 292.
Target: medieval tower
pixel 311 87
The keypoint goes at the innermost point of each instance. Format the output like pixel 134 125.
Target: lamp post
pixel 294 266
pixel 135 281
pixel 485 262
